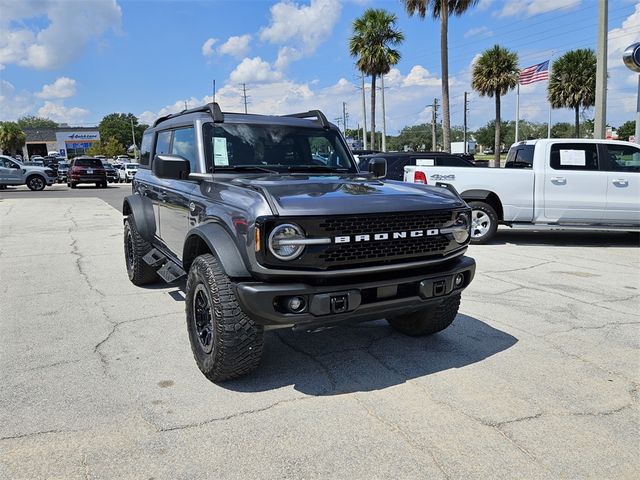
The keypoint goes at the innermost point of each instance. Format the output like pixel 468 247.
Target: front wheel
pixel 484 222
pixel 35 183
pixel 226 343
pixel 429 321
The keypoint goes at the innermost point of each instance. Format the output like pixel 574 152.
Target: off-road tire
pixel 489 213
pixel 136 247
pixel 236 341
pixel 36 183
pixel 429 321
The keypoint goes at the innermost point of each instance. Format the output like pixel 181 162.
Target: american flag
pixel 535 73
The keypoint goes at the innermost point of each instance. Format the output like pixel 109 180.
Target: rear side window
pixel 574 156
pixel 520 157
pixel 623 158
pixel 163 143
pixel 145 149
pixel 87 162
pixel 184 144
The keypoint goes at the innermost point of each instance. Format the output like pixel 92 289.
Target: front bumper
pixel 357 302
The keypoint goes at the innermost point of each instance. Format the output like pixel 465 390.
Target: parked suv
pixel 14 172
pixel 86 170
pixel 63 169
pixel 272 237
pixel 111 171
pixel 127 171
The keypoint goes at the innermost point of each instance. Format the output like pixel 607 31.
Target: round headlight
pixel 463 228
pixel 282 241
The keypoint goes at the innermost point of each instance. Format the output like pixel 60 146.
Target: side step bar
pixel 167 270
pixel 577 228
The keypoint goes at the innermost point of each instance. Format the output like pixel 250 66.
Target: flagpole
pixel 549 119
pixel 517 108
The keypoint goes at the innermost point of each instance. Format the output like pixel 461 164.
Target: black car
pixel 110 170
pixel 63 169
pixel 86 170
pixel 274 226
pixel 396 161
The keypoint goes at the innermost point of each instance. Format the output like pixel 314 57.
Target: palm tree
pixel 494 74
pixel 374 35
pixel 572 83
pixel 12 138
pixel 456 7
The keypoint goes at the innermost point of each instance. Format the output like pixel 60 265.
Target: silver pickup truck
pixel 14 172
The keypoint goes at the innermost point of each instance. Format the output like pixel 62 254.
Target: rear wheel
pixel 36 183
pixel 136 247
pixel 226 343
pixel 484 222
pixel 427 322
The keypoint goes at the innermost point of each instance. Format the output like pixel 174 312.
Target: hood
pixel 331 195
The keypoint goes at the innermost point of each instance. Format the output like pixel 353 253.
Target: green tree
pixel 572 82
pixel 118 125
pixel 494 74
pixel 31 121
pixel 372 42
pixel 455 7
pixel 627 129
pixel 486 135
pixel 562 130
pixel 110 148
pixel 12 138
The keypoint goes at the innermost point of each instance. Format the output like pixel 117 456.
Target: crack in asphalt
pixel 35 434
pixel 50 365
pixel 519 269
pixel 228 417
pixel 417 449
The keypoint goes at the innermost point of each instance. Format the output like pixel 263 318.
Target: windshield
pixel 131 167
pixel 277 148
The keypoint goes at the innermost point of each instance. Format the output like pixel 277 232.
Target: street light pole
pixel 600 124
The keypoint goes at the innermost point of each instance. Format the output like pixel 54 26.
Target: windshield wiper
pixel 316 168
pixel 239 168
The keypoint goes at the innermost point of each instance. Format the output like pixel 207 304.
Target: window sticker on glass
pixel 220 155
pixel 576 158
pixel 425 162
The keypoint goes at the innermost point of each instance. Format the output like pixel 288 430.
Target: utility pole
pixel 186 107
pixel 384 120
pixel 244 96
pixel 600 124
pixel 133 136
pixel 344 117
pixel 464 134
pixel 364 117
pixel 434 115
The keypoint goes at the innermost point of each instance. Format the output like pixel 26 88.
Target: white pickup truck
pixel 549 184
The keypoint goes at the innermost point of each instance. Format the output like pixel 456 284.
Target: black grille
pixel 380 250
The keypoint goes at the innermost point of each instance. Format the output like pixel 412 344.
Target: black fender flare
pixel 142 210
pixel 476 194
pixel 486 196
pixel 220 244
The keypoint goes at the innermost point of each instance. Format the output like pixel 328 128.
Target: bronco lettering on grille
pixel 385 236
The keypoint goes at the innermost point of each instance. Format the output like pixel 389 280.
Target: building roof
pixel 49 134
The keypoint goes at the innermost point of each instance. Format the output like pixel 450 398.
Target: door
pixel 10 172
pixel 575 190
pixel 175 195
pixel 622 163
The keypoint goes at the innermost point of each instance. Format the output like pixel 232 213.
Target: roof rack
pixel 212 108
pixel 312 114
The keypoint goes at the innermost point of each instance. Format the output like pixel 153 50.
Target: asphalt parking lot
pixel 538 377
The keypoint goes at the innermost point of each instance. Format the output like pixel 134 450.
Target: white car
pixel 126 171
pixel 554 184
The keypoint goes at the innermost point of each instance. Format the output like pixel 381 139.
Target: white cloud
pixel 478 32
pixel 59 42
pixel 420 76
pixel 300 29
pixel 535 7
pixel 61 114
pixel 254 70
pixel 484 4
pixel 63 87
pixel 620 38
pixel 207 47
pixel 237 46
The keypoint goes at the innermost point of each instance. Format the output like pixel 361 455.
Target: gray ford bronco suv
pixel 273 225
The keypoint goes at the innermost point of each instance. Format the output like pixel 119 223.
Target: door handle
pixel 559 180
pixel 621 182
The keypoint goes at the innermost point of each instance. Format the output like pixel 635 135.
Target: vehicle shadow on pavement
pixel 566 239
pixel 368 356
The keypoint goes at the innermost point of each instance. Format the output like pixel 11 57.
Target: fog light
pixel 458 280
pixel 296 304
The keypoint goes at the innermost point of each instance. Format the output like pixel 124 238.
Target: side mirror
pixel 171 166
pixel 378 166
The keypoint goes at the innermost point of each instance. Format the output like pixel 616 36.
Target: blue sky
pixel 76 61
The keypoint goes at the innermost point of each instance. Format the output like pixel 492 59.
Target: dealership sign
pixel 76 140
